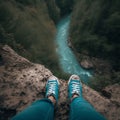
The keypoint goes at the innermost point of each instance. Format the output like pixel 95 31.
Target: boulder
pixel 86 64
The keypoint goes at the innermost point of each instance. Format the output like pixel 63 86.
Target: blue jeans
pixel 43 109
pixel 80 109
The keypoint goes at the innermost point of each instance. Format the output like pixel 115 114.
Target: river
pixel 67 59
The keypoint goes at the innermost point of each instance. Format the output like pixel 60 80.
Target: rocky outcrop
pixel 97 64
pixel 86 64
pixel 22 82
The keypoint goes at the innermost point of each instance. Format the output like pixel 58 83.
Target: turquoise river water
pixel 67 59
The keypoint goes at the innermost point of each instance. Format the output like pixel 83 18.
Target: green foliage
pixel 53 10
pixel 65 6
pixel 25 25
pixel 95 29
pixel 27 2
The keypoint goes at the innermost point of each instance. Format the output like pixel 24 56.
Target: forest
pixel 29 27
pixel 95 32
pixel 25 25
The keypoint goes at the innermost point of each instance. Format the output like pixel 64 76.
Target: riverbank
pixel 87 62
pixel 103 73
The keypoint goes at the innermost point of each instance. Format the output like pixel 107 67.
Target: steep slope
pixel 65 6
pixel 95 30
pixel 54 10
pixel 25 25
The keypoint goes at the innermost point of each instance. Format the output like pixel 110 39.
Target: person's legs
pixel 39 110
pixel 80 109
pixel 42 109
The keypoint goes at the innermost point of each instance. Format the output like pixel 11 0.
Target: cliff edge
pixel 22 82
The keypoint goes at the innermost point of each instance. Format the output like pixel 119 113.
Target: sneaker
pixel 74 86
pixel 52 87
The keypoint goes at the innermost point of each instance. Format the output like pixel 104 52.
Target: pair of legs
pixel 43 109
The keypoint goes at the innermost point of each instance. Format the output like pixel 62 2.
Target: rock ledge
pixel 22 82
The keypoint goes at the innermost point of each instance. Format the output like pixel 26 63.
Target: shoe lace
pixel 51 89
pixel 75 88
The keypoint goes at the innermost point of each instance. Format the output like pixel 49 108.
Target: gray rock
pixel 86 64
